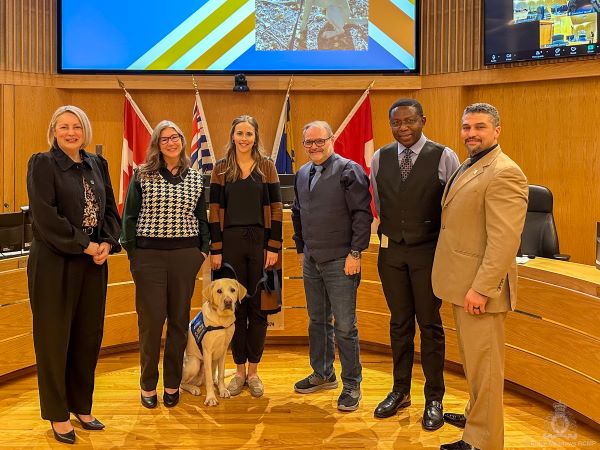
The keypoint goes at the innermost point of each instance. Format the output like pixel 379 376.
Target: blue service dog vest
pixel 199 329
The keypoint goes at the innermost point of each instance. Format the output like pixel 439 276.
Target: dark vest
pixel 326 221
pixel 410 211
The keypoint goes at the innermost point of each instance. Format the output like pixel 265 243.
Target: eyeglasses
pixel 407 122
pixel 318 142
pixel 174 138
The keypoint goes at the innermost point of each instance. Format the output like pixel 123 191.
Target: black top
pixel 243 202
pixel 481 154
pixel 57 199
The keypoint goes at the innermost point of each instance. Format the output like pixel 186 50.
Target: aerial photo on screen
pixel 312 25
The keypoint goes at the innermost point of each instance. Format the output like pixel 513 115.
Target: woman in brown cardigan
pixel 245 214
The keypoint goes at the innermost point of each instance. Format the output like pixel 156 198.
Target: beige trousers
pixel 481 345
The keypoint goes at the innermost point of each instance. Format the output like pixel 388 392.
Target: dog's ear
pixel 242 291
pixel 207 292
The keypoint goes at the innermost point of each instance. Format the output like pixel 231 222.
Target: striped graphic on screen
pixel 221 31
pixel 210 39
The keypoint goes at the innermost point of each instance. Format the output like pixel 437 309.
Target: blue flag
pixel 283 149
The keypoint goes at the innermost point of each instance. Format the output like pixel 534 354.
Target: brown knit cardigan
pixel 271 203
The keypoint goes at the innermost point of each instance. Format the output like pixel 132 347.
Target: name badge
pixel 385 242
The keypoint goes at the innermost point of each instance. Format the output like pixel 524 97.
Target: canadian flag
pixel 136 138
pixel 354 137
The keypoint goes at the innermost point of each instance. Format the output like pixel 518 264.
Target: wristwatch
pixel 355 254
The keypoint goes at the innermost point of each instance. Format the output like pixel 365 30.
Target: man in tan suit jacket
pixel 483 212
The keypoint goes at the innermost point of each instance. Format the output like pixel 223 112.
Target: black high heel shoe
pixel 171 400
pixel 94 425
pixel 65 438
pixel 149 402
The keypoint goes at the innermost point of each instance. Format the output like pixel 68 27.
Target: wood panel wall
pixel 548 108
pixel 27 33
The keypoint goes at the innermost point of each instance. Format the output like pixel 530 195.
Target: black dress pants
pixel 243 248
pixel 68 296
pixel 164 285
pixel 405 272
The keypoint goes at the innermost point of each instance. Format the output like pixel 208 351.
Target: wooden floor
pixel 280 419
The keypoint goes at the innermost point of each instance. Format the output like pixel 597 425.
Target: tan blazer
pixel 483 213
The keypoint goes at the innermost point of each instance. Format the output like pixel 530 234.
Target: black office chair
pixel 286 179
pixel 288 195
pixel 539 237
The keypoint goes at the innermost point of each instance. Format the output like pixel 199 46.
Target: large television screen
pixel 250 36
pixel 520 30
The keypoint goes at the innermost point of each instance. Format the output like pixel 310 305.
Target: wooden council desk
pixel 552 340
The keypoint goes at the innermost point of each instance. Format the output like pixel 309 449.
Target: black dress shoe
pixel 391 404
pixel 460 445
pixel 171 400
pixel 93 425
pixel 65 438
pixel 149 402
pixel 432 416
pixel 458 420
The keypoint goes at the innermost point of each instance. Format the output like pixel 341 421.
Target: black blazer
pixel 56 200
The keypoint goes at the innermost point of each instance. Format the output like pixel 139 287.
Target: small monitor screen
pixel 519 30
pixel 11 233
pixel 232 36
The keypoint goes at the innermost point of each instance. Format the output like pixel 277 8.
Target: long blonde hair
pixel 154 157
pixel 232 171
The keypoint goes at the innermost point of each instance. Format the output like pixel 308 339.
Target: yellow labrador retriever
pixel 214 327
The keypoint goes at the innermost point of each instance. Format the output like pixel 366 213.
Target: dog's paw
pixel 224 393
pixel 211 401
pixel 195 390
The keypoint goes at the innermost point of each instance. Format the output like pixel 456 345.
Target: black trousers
pixel 405 272
pixel 164 285
pixel 68 297
pixel 243 248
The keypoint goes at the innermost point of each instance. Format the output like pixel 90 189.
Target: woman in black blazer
pixel 75 226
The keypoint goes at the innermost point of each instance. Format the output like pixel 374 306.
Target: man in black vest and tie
pixel 332 225
pixel 408 178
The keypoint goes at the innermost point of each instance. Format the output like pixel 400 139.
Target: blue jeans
pixel 331 302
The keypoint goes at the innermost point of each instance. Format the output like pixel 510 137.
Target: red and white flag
pixel 354 137
pixel 136 138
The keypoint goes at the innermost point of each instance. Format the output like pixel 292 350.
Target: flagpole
pixel 281 123
pixel 290 83
pixel 195 84
pixel 122 85
pixel 135 106
pixel 354 108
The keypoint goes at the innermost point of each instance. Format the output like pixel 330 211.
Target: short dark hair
pixel 484 108
pixel 406 102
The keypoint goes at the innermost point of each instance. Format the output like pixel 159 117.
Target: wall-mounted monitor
pixel 231 36
pixel 523 30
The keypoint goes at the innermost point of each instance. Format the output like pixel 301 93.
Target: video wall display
pixel 260 36
pixel 519 30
